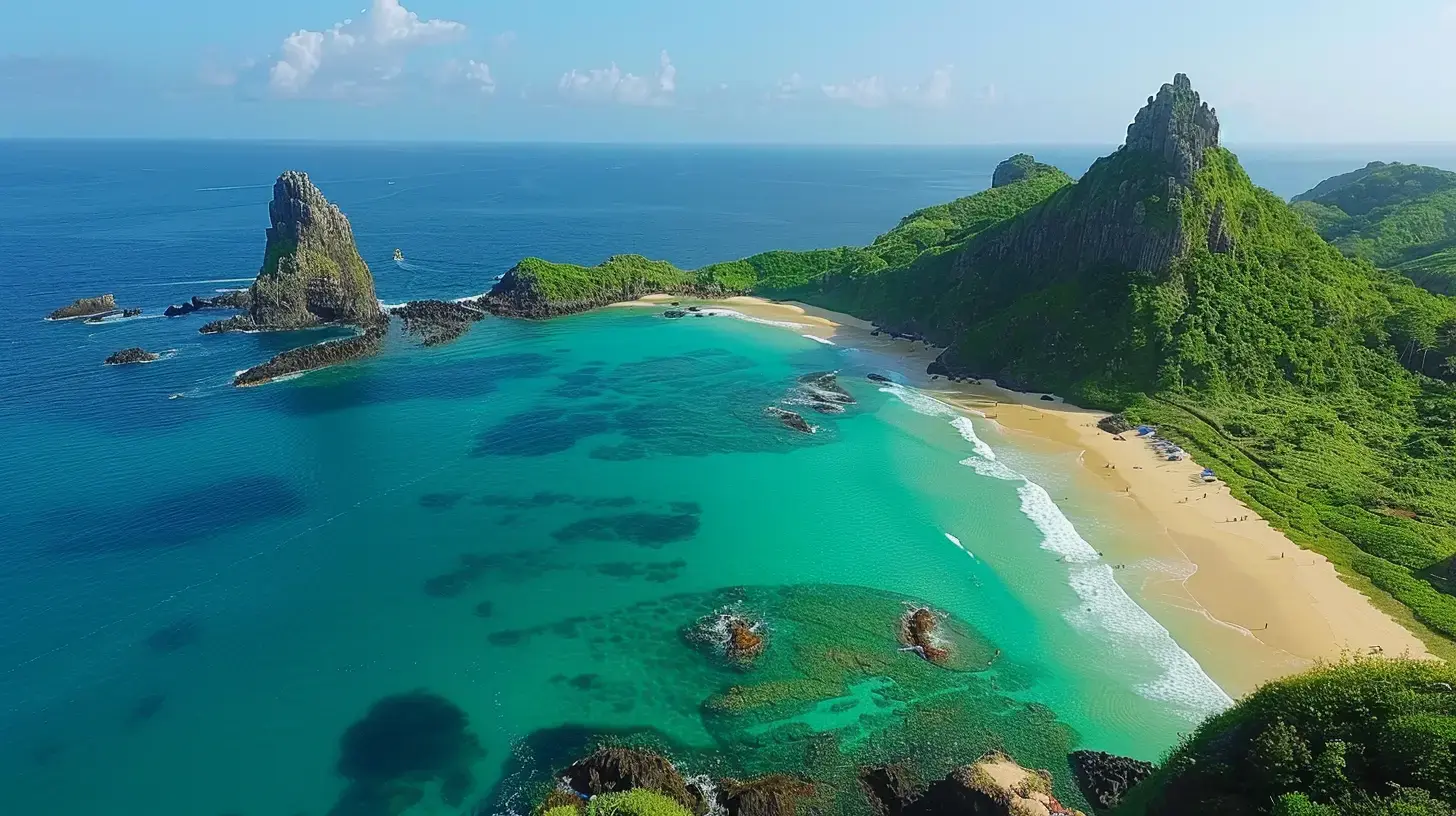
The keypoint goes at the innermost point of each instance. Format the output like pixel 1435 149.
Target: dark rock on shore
pixel 241 299
pixel 772 795
pixel 437 322
pixel 85 307
pixel 1106 778
pixel 235 323
pixel 312 357
pixel 879 378
pixel 674 313
pixel 1048 398
pixel 131 355
pixel 1114 424
pixel 621 769
pixel 790 419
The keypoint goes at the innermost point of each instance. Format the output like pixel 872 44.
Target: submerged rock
pixel 308 358
pixel 879 378
pixel 621 769
pixel 1106 778
pixel 86 307
pixel 674 313
pixel 131 355
pixel 822 392
pixel 790 419
pixel 738 639
pixel 437 322
pixel 402 743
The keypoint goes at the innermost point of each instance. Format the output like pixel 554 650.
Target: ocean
pixel 531 531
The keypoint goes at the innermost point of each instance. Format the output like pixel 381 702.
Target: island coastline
pixel 1256 607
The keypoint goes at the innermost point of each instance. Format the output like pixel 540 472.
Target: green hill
pixel 1165 284
pixel 1365 738
pixel 1397 216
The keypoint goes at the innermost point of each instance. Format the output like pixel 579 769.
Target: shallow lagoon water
pixel 202 594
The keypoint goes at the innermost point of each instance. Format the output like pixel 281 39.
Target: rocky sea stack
pixel 131 355
pixel 312 275
pixel 240 299
pixel 85 307
pixel 312 272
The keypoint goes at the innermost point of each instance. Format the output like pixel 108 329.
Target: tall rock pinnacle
pixel 312 272
pixel 1176 125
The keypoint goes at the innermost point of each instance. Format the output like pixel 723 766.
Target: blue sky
pixel 817 71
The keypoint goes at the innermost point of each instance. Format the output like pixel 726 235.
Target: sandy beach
pixel 1246 602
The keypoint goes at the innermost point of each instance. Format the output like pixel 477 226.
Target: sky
pixel 758 71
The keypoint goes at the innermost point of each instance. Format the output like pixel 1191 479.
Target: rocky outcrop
pixel 236 323
pixel 312 272
pixel 879 378
pixel 745 642
pixel 918 634
pixel 1106 778
pixel 771 795
pixel 1114 424
pixel 1220 242
pixel 994 785
pixel 437 322
pixel 85 307
pixel 790 419
pixel 240 299
pixel 1016 168
pixel 308 358
pixel 1177 126
pixel 620 769
pixel 822 392
pixel 131 355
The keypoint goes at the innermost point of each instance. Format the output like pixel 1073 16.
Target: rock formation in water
pixel 312 272
pixel 1106 778
pixel 240 299
pixel 236 323
pixel 994 785
pixel 131 355
pixel 790 419
pixel 771 795
pixel 621 769
pixel 308 358
pixel 85 307
pixel 437 322
pixel 822 392
pixel 918 632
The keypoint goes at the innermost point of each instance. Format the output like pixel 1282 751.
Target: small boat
pixel 1208 475
pixel 398 255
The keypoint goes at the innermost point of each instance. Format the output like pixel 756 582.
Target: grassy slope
pixel 1399 216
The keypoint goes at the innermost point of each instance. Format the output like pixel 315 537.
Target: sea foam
pixel 1104 606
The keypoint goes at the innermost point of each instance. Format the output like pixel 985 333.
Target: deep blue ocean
pixel 202 587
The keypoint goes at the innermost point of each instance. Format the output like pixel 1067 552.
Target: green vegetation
pixel 1362 738
pixel 620 277
pixel 1397 216
pixel 635 802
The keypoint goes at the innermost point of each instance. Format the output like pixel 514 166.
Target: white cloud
pixel 467 74
pixel 600 85
pixel 356 54
pixel 789 88
pixel 866 93
pixel 874 92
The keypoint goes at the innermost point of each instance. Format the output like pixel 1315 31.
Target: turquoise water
pixel 200 595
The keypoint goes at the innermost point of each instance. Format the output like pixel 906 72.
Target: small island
pixel 100 305
pixel 132 355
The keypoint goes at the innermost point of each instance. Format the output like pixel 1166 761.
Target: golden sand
pixel 1246 602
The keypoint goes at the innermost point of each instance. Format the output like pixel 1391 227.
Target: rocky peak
pixel 312 272
pixel 1177 126
pixel 1015 169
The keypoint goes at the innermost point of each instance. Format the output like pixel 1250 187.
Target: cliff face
pixel 1125 211
pixel 312 272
